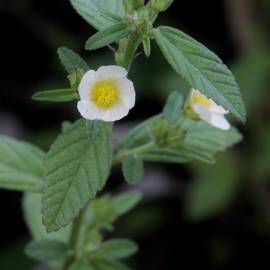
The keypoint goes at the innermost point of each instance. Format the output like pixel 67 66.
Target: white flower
pixel 207 110
pixel 106 94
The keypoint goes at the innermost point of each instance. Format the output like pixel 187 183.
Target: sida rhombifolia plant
pixel 61 208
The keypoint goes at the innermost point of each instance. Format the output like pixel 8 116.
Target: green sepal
pixel 147 46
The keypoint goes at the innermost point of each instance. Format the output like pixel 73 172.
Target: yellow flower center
pixel 198 98
pixel 105 94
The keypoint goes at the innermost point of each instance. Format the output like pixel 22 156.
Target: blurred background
pixel 217 217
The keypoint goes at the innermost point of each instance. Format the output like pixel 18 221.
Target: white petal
pixel 219 121
pixel 217 108
pixel 90 111
pixel 111 72
pixel 127 92
pixel 215 119
pixel 115 113
pixel 86 83
pixel 202 112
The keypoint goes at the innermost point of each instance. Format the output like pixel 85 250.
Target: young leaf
pixel 147 46
pixel 33 219
pixel 173 107
pixel 206 138
pixel 100 14
pixel 119 248
pixel 21 165
pixel 125 202
pixel 63 95
pixel 71 60
pixel 77 168
pixel 133 169
pixel 201 68
pixel 105 37
pixel 46 250
pixel 181 142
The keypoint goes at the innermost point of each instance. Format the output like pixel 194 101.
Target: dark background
pixel 176 227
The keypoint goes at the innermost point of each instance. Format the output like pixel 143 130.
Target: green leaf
pixel 206 138
pixel 100 14
pixel 173 107
pixel 62 95
pixel 125 202
pixel 105 37
pixel 201 68
pixel 181 142
pixel 21 165
pixel 71 60
pixel 147 46
pixel 103 263
pixel 77 168
pixel 213 189
pixel 46 250
pixel 33 220
pixel 133 169
pixel 119 248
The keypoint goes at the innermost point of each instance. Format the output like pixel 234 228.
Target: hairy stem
pixel 122 154
pixel 73 240
pixel 127 49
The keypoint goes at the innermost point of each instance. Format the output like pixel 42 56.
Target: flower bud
pixel 161 5
pixel 132 5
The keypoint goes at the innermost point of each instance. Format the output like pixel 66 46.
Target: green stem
pixel 73 240
pixel 122 154
pixel 127 49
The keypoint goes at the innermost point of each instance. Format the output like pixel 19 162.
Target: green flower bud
pixel 161 5
pixel 132 5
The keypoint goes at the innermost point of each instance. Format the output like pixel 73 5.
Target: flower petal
pixel 115 113
pixel 219 121
pixel 86 83
pixel 215 119
pixel 217 108
pixel 111 72
pixel 127 92
pixel 202 112
pixel 90 111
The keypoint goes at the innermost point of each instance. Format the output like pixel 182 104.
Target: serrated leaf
pixel 77 169
pixel 61 95
pixel 173 107
pixel 100 14
pixel 119 248
pixel 125 202
pixel 107 36
pixel 133 169
pixel 21 165
pixel 209 139
pixel 201 68
pixel 147 46
pixel 71 60
pixel 33 219
pixel 46 250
